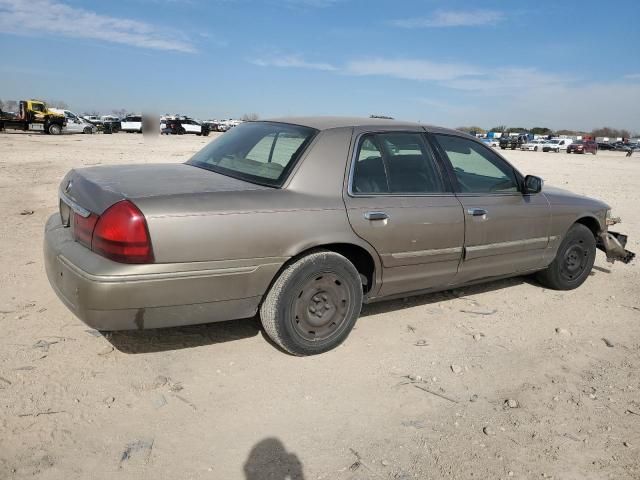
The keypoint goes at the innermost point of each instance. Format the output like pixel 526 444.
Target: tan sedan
pixel 302 220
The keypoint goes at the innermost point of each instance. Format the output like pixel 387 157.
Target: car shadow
pixel 177 338
pixel 387 306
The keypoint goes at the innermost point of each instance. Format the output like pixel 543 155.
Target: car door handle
pixel 376 215
pixel 476 212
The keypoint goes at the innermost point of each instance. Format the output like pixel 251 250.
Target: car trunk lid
pixel 94 189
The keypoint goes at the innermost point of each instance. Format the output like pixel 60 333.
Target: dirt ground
pixel 548 383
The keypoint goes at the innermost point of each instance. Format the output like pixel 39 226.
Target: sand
pixel 220 402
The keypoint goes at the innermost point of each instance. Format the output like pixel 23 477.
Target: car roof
pixel 326 123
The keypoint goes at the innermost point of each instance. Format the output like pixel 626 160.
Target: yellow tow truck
pixel 34 115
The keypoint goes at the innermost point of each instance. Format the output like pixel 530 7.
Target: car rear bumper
pixel 110 296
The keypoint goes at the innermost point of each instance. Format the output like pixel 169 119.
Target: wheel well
pixel 360 258
pixel 591 223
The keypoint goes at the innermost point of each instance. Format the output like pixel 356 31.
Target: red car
pixel 583 146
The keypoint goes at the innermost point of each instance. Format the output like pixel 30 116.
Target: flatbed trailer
pixel 34 116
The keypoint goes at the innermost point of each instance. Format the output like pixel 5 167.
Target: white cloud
pixel 291 61
pixel 450 18
pixel 488 96
pixel 410 69
pixel 39 17
pixel 511 79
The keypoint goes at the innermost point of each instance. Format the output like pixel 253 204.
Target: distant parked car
pixel 95 120
pixel 131 124
pixel 583 146
pixel 605 146
pixel 533 145
pixel 513 142
pixel 181 126
pixel 112 121
pixel 491 142
pixel 75 123
pixel 556 144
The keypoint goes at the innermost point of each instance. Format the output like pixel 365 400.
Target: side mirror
pixel 532 184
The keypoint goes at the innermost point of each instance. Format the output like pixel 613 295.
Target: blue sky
pixel 571 63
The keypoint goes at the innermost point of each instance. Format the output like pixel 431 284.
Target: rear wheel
pixel 313 304
pixel 573 262
pixel 54 129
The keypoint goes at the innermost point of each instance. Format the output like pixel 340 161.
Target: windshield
pixel 554 141
pixel 579 142
pixel 259 152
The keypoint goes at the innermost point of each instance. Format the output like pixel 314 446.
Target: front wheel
pixel 87 131
pixel 313 304
pixel 573 262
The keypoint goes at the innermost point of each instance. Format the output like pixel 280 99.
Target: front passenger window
pixel 477 169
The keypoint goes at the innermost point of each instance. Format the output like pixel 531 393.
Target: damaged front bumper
pixel 613 245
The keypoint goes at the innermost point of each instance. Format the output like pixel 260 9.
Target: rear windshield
pixel 258 152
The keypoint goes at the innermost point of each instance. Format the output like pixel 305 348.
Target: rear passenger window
pixel 397 163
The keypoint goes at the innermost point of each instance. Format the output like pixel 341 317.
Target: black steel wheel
pixel 321 307
pixel 313 304
pixel 573 262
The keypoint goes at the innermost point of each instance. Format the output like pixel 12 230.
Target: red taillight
pixel 121 234
pixel 83 228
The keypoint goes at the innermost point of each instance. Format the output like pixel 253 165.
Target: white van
pixel 557 144
pixel 75 123
pixel 131 123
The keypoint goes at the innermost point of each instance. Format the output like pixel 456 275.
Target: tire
pixel 535 149
pixel 573 261
pixel 87 131
pixel 54 129
pixel 313 304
